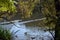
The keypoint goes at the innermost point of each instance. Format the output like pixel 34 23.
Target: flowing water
pixel 28 31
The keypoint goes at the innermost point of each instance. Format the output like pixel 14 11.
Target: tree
pixel 7 8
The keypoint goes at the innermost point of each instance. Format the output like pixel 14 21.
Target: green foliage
pixel 5 34
pixel 7 5
pixel 49 11
pixel 26 7
pixel 7 9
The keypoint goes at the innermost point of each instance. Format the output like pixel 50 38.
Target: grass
pixel 5 34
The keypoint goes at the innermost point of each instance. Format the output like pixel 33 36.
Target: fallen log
pixel 20 21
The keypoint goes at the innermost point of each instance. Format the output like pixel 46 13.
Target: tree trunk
pixel 57 5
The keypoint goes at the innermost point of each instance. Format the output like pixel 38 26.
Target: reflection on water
pixel 28 31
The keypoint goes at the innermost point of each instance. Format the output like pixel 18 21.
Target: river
pixel 28 31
